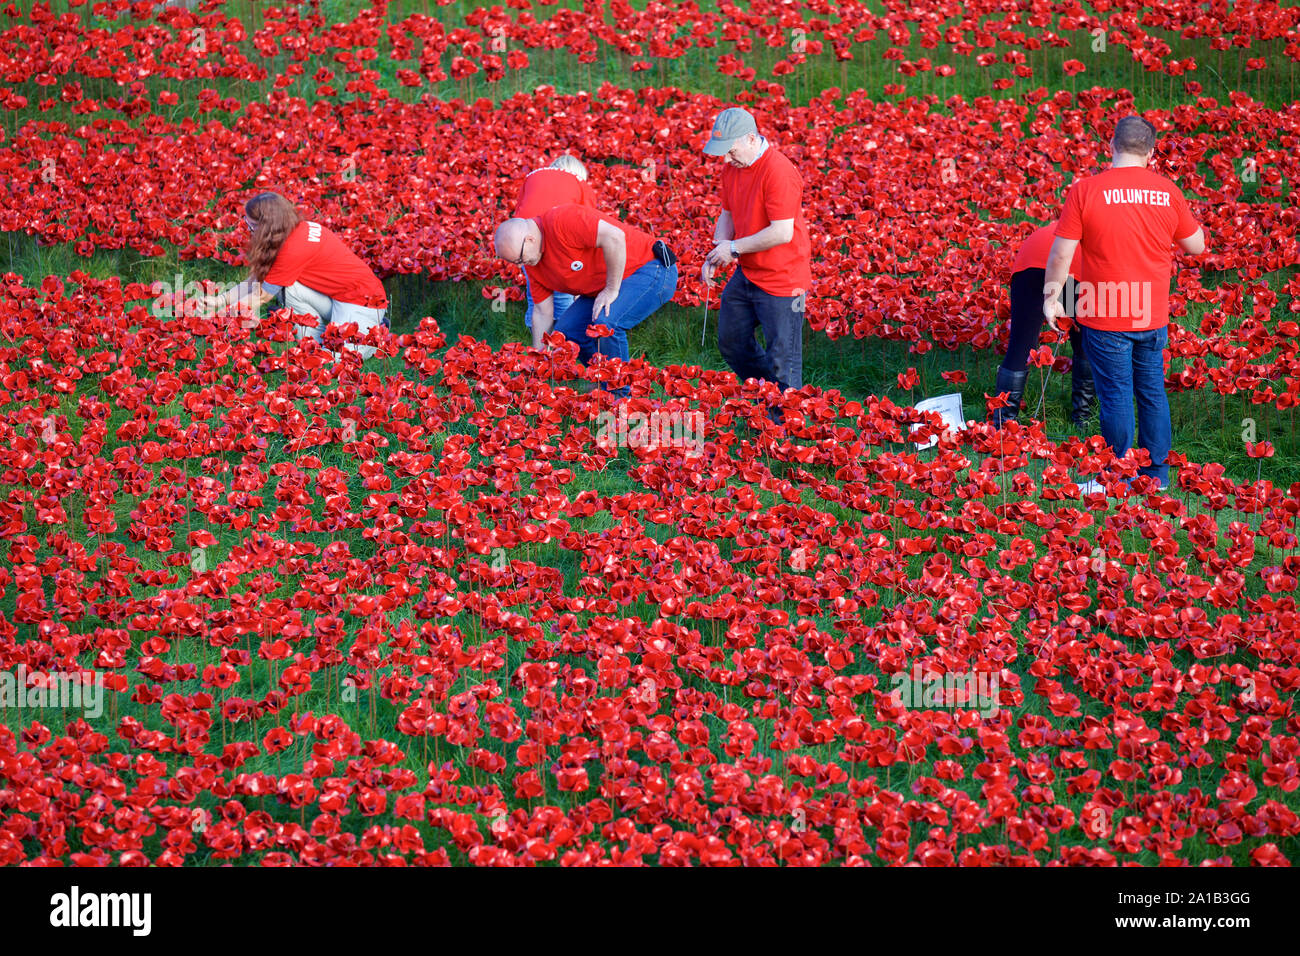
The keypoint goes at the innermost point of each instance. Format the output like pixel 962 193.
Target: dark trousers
pixel 745 307
pixel 1027 323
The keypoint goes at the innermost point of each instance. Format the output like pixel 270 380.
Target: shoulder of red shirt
pixel 292 246
pixel 569 210
pixel 298 231
pixel 1101 178
pixel 779 159
pixel 574 219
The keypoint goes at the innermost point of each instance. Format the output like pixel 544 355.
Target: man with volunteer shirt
pixel 564 181
pixel 1027 272
pixel 618 274
pixel 1126 221
pixel 761 227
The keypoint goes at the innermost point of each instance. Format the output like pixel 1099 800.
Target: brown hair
pixel 1134 135
pixel 274 218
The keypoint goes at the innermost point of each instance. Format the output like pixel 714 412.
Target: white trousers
pixel 308 301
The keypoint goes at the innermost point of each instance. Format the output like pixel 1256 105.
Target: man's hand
pixel 1052 310
pixel 1054 277
pixel 543 320
pixel 719 257
pixel 604 299
pixel 613 246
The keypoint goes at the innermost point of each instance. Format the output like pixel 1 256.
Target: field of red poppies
pixel 415 611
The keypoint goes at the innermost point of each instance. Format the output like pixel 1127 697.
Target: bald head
pixel 518 241
pixel 509 235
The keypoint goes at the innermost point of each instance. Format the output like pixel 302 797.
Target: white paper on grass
pixel 950 410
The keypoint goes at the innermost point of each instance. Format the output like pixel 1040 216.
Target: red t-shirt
pixel 545 189
pixel 570 260
pixel 756 196
pixel 316 257
pixel 1127 220
pixel 1035 249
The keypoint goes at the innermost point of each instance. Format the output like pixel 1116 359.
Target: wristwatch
pixel 734 253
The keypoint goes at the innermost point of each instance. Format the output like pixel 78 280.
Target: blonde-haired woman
pixel 571 164
pixel 310 268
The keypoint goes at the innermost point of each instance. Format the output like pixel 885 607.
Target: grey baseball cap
pixel 730 126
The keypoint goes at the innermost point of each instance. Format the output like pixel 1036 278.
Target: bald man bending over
pixel 618 274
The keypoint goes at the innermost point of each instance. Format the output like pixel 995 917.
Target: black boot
pixel 1083 399
pixel 1083 391
pixel 1013 383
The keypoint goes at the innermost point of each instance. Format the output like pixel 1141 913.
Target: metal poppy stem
pixel 1042 396
pixel 704 329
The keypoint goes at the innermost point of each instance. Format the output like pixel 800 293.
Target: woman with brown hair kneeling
pixel 309 268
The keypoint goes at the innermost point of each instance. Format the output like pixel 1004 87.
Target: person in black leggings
pixel 1027 278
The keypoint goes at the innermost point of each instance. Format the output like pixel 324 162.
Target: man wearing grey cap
pixel 762 228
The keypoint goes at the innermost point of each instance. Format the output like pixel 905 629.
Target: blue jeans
pixel 559 302
pixel 1125 365
pixel 639 296
pixel 744 308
